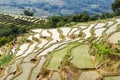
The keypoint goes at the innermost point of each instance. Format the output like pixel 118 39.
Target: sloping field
pixel 63 53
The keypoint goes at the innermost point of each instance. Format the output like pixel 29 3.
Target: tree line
pixel 58 21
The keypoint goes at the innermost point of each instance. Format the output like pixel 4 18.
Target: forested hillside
pixel 55 7
pixel 13 26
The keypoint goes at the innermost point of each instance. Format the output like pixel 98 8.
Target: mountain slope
pixel 86 51
pixel 55 7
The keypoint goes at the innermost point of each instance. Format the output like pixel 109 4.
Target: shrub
pixel 6 59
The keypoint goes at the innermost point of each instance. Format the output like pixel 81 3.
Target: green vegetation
pixel 8 32
pixel 10 28
pixel 6 59
pixel 118 42
pixel 28 12
pixel 116 7
pixel 102 50
pixel 65 59
pixel 23 40
pixel 58 21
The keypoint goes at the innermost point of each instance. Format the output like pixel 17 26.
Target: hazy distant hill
pixel 55 7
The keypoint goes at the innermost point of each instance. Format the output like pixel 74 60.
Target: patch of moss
pixel 6 59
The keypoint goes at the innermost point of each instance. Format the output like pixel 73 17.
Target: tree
pixel 28 12
pixel 85 16
pixel 107 15
pixel 61 23
pixel 116 7
pixel 95 17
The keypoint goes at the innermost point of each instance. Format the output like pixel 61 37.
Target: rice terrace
pixel 59 39
pixel 85 51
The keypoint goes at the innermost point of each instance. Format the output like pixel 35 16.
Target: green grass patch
pixel 61 34
pixel 101 50
pixel 6 59
pixel 71 24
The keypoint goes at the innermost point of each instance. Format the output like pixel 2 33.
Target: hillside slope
pixel 55 7
pixel 86 51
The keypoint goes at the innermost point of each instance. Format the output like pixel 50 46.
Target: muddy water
pixel 115 37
